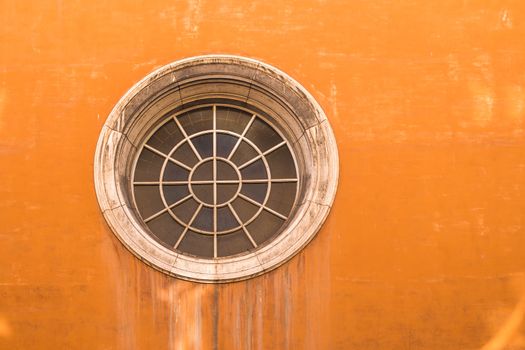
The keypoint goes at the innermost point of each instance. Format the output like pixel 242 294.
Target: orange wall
pixel 425 245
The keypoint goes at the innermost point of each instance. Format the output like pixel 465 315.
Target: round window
pixel 216 168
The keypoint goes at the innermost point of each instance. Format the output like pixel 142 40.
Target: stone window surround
pixel 232 78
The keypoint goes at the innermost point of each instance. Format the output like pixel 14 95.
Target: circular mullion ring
pixel 189 182
pixel 189 226
pixel 239 182
pixel 263 158
pixel 161 184
pixel 163 169
pixel 170 211
pixel 222 131
pixel 267 196
pixel 268 172
pixel 269 176
pixel 188 139
pixel 234 166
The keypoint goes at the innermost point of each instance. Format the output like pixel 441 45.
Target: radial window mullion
pixel 270 210
pixel 187 227
pixel 241 136
pixel 154 150
pixel 167 208
pixel 242 225
pixel 262 155
pixel 187 138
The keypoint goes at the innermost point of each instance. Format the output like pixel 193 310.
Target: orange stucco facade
pixel 424 247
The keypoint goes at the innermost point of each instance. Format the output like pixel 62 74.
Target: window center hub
pixel 215 182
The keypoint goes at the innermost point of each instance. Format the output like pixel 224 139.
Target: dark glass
pixel 174 193
pixel 282 197
pixel 257 192
pixel 197 120
pixel 243 153
pixel 204 172
pixel 165 229
pixel 204 145
pixel 173 172
pixel 204 219
pixel 185 210
pixel 244 209
pixel 148 200
pixel 233 243
pixel 281 163
pixel 264 227
pixel 185 155
pixel 148 166
pixel 225 171
pixel 225 219
pixel 204 193
pixel 197 244
pixel 232 119
pixel 225 192
pixel 263 135
pixel 225 144
pixel 255 171
pixel 166 137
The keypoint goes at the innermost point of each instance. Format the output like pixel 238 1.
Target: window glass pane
pixel 263 135
pixel 282 197
pixel 185 210
pixel 148 200
pixel 281 163
pixel 245 210
pixel 197 120
pixel 173 172
pixel 196 244
pixel 204 193
pixel 225 144
pixel 204 219
pixel 257 192
pixel 185 155
pixel 204 145
pixel 232 119
pixel 166 137
pixel 204 172
pixel 264 227
pixel 226 172
pixel 148 166
pixel 166 229
pixel 225 219
pixel 225 192
pixel 254 171
pixel 243 153
pixel 174 193
pixel 233 243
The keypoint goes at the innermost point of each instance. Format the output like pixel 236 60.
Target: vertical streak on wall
pixel 179 313
pixel 259 317
pixel 124 303
pixel 286 295
pixel 248 335
pixel 197 323
pixel 172 319
pixel 215 339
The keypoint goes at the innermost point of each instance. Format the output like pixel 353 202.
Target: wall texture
pixel 424 248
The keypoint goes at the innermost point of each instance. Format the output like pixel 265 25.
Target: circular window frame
pixel 239 80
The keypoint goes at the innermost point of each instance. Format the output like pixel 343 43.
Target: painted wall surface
pixel 424 247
